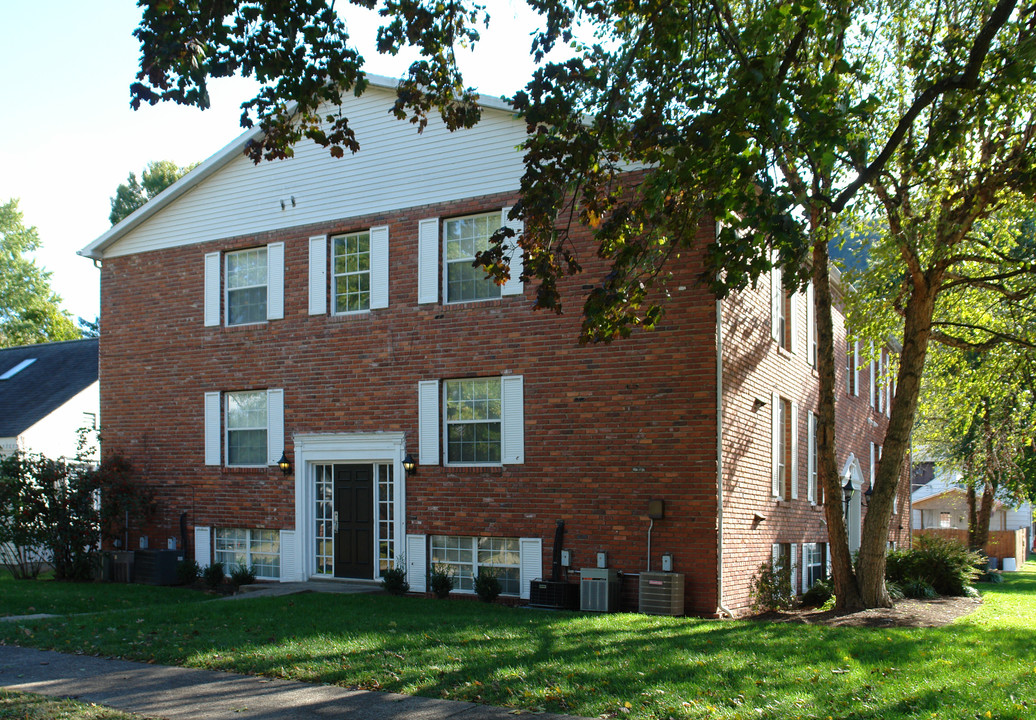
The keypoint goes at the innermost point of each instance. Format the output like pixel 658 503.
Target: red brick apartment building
pixel 327 310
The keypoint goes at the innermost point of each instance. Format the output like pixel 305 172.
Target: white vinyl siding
pixel 428 261
pixel 241 198
pixel 317 275
pixel 428 422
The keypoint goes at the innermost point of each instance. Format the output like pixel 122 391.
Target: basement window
pixel 17 369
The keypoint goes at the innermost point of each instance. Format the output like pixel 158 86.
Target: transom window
pixel 246 286
pixel 246 428
pixel 473 421
pixel 469 556
pixel 465 237
pixel 256 549
pixel 351 266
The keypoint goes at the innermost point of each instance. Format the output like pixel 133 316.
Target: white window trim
pixel 248 550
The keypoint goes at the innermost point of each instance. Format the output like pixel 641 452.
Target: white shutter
pixel 530 551
pixel 811 326
pixel 775 552
pixel 872 465
pixel 776 295
pixel 417 562
pixel 317 275
pixel 811 457
pixel 212 429
pixel 793 320
pixel 794 469
pixel 856 368
pixel 428 261
pixel 514 285
pixel 291 570
pixel 428 422
pixel 775 442
pixel 202 546
pixel 212 296
pixel 874 398
pixel 511 391
pixel 379 267
pixel 275 281
pixel 794 568
pixel 274 425
pixel 806 555
pixel 827 559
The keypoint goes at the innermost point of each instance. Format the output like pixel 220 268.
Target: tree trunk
pixel 916 335
pixel 981 537
pixel 847 595
pixel 973 519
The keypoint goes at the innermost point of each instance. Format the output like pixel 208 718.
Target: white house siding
pixel 55 435
pixel 395 167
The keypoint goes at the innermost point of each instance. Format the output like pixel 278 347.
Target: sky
pixel 68 137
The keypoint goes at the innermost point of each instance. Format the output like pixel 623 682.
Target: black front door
pixel 354 507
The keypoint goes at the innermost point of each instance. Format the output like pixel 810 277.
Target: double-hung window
pixel 359 277
pixel 784 442
pixel 783 315
pixel 480 422
pixel 814 564
pixel 244 287
pixel 244 429
pixel 462 238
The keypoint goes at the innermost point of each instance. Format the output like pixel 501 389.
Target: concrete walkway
pixel 175 693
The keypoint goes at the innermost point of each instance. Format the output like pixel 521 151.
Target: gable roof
pixel 60 371
pixel 251 198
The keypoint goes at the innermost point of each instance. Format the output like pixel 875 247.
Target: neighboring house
pixel 940 500
pixel 47 393
pixel 327 310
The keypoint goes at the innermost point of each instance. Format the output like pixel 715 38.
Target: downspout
pixel 721 608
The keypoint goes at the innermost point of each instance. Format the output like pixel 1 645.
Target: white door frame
pixel 344 448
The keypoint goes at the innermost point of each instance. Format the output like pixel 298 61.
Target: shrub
pixel 187 571
pixel 487 585
pixel 771 588
pixel 894 590
pixel 242 575
pixel 213 574
pixel 920 590
pixel 441 578
pixel 994 577
pixel 819 593
pixel 394 579
pixel 945 565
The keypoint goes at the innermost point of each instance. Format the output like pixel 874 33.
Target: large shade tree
pixel 769 117
pixel 133 193
pixel 30 310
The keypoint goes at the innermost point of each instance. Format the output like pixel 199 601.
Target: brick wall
pixel 607 427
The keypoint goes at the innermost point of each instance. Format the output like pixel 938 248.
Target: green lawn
pixel 23 706
pixel 29 597
pixel 983 666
